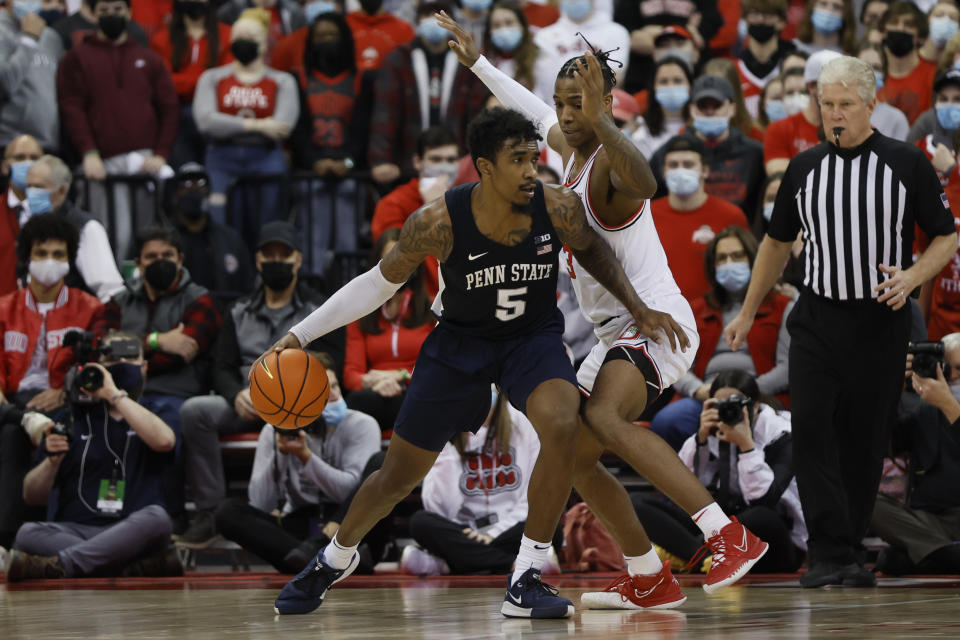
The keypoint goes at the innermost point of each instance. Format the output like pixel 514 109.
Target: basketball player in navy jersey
pixel 497 242
pixel 630 366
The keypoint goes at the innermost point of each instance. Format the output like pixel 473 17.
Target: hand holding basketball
pixel 288 388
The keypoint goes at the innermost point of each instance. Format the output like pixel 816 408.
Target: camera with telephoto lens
pixel 83 377
pixel 315 428
pixel 731 410
pixel 926 356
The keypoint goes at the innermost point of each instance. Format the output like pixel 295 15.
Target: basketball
pixel 289 388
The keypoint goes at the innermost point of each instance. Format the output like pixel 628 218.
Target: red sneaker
pixel 735 551
pixel 660 591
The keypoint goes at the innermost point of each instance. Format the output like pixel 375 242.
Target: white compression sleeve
pixel 515 96
pixel 351 302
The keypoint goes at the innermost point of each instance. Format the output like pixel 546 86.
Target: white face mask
pixel 795 102
pixel 48 272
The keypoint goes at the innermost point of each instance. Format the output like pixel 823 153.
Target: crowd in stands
pixel 181 177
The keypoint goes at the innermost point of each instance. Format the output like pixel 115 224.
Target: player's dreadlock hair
pixel 488 132
pixel 603 57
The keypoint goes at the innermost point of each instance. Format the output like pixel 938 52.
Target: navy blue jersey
pixel 491 290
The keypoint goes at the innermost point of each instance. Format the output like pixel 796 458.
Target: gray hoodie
pixel 28 84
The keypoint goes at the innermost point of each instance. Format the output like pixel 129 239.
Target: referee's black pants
pixel 847 362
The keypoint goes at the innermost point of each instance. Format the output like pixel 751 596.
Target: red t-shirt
pixel 913 93
pixel 250 101
pixel 787 137
pixel 195 61
pixel 375 37
pixel 686 234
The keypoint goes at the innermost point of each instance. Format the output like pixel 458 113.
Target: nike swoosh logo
pixel 743 545
pixel 470 256
pixel 643 594
pixel 515 600
pixel 541 548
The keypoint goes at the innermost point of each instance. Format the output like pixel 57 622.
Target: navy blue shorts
pixel 450 388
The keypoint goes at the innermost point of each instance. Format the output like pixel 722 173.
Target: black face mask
pixel 276 275
pixel 112 26
pixel 244 50
pixel 371 6
pixel 191 8
pixel 326 56
pixel 900 43
pixel 51 16
pixel 128 377
pixel 193 205
pixel 160 274
pixel 762 32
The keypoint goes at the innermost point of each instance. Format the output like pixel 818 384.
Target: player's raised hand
pixel 464 46
pixel 650 322
pixel 590 80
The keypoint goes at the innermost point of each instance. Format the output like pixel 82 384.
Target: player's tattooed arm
pixel 427 232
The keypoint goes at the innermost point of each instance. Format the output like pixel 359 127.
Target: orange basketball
pixel 289 389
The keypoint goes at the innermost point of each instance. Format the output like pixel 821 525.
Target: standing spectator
pixel 288 54
pixel 376 33
pixel 827 25
pixel 473 15
pixel 509 46
pixel 283 18
pixel 668 107
pixel 76 26
pixel 119 110
pixel 759 62
pixel 245 110
pixel 299 478
pixel 742 119
pixel 250 326
pixel 382 347
pixel 944 121
pixel 562 41
pixel 215 255
pixel 154 15
pixel 943 19
pixel 28 77
pixel 331 136
pixel 909 77
pixel 193 42
pixel 18 156
pixel 888 120
pixel 688 217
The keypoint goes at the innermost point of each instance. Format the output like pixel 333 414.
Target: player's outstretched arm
pixel 630 173
pixel 569 219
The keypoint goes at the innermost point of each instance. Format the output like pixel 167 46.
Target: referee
pixel 856 198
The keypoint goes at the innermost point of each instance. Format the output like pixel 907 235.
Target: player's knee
pixel 557 428
pixel 601 418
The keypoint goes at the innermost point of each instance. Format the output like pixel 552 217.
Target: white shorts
pixel 621 333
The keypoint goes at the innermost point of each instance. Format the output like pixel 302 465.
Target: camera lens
pixel 90 378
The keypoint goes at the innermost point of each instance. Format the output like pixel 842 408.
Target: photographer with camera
pixel 300 477
pixel 33 356
pixel 101 478
pixel 921 530
pixel 742 453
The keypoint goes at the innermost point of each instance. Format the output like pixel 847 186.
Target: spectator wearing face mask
pixel 250 326
pixel 759 62
pixel 561 41
pixel 290 49
pixel 283 17
pixel 472 15
pixel 909 77
pixel 827 25
pixel 676 42
pixel 509 46
pixel 942 121
pixel 215 255
pixel 728 261
pixel 688 217
pixel 668 105
pixel 742 118
pixel 436 162
pixel 76 26
pixel 887 119
pixel 18 156
pixel 943 18
pixel 770 108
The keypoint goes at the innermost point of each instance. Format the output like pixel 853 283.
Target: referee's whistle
pixel 836 134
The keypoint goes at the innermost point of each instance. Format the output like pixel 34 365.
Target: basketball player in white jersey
pixel 630 366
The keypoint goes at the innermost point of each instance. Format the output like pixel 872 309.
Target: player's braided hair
pixel 609 77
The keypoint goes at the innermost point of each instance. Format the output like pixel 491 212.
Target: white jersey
pixel 637 247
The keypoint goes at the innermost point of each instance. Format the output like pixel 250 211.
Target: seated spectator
pixel 792 277
pixel 770 107
pixel 331 137
pixel 382 347
pixel 376 33
pixel 562 39
pixel 735 162
pixel 688 217
pixel 299 479
pixel 435 161
pixel 29 52
pixel 250 326
pixel 475 498
pixel 33 360
pixel 759 62
pixel 742 119
pixel 942 121
pixel 18 156
pixel 215 255
pixel 121 122
pixel 943 20
pixel 246 110
pixel 76 26
pixel 668 106
pixel 922 530
pixel 283 17
pixel 104 513
pixel 508 44
pixel 48 184
pixel 887 119
pixel 729 260
pixel 193 42
pixel 747 464
pixel 909 77
pixel 827 25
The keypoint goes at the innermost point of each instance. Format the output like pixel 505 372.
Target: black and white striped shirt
pixel 857 209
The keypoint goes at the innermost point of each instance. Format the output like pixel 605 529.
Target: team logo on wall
pixel 484 475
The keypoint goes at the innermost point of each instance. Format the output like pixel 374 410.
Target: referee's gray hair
pixel 951 341
pixel 59 172
pixel 852 73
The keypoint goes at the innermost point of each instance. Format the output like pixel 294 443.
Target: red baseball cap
pixel 625 106
pixel 673 31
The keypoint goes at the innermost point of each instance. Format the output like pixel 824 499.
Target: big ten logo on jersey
pixel 489 473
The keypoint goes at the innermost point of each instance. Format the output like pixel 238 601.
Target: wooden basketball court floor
pixel 240 606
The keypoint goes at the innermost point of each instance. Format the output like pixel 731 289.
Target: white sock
pixel 338 556
pixel 649 564
pixel 710 519
pixel 532 554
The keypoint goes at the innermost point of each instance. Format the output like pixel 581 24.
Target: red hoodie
pixel 195 61
pixel 375 37
pixel 117 98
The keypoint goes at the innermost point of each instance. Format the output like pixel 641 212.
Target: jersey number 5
pixel 510 305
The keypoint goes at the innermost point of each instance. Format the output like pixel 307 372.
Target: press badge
pixel 110 497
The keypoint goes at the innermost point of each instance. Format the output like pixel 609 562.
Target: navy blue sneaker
pixel 305 592
pixel 529 597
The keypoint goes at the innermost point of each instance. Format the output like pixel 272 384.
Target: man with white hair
pixel 856 197
pixel 48 183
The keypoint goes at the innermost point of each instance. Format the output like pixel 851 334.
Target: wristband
pixel 153 340
pixel 120 395
pixel 405 376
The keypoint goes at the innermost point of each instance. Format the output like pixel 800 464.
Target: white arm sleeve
pixel 515 96
pixel 354 300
